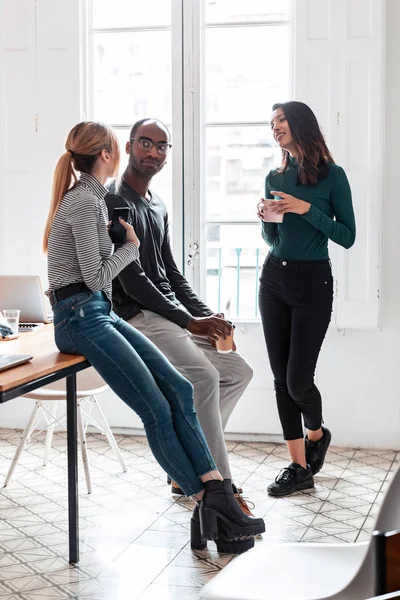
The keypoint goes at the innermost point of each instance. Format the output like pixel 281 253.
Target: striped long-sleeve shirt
pixel 80 248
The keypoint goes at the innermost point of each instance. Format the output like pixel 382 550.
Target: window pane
pixel 162 183
pixel 132 76
pixel 131 13
pixel 235 254
pixel 217 11
pixel 238 159
pixel 247 71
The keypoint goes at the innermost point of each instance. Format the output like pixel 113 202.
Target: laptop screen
pixel 23 292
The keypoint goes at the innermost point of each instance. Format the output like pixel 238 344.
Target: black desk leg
pixel 72 440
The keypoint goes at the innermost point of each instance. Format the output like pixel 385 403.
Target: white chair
pixel 48 398
pixel 307 571
pixel 387 596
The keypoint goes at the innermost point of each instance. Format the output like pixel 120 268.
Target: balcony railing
pixel 233 279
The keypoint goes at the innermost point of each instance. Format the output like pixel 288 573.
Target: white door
pixel 39 103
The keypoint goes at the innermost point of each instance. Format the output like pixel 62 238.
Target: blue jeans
pixel 143 378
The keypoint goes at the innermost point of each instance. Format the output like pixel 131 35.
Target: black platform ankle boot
pixel 224 546
pixel 196 541
pixel 219 511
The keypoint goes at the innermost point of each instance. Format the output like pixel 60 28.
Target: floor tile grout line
pixel 139 535
pixel 250 474
pixel 319 510
pixel 340 478
pixel 149 479
pixel 377 494
pixel 329 495
pixel 162 570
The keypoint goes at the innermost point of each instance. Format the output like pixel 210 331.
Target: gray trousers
pixel 219 380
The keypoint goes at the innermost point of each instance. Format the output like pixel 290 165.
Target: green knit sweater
pixel 331 215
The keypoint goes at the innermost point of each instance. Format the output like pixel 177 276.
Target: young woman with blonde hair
pixel 81 267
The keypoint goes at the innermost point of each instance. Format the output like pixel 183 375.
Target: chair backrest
pixel 387 596
pixel 389 515
pixel 365 581
pixel 87 380
pixel 387 561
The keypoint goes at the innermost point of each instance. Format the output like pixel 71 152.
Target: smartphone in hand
pixel 117 232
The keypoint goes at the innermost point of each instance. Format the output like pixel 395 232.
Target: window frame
pixel 311 25
pixel 195 128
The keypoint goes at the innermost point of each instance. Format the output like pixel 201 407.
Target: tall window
pixel 246 71
pixel 131 69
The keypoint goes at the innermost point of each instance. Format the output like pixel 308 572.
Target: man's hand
pixel 289 204
pixel 210 327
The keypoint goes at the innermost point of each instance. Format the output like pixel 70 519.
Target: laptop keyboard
pixel 28 326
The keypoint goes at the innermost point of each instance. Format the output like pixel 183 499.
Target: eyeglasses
pixel 147 145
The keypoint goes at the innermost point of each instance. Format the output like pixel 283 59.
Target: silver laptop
pixel 12 360
pixel 25 293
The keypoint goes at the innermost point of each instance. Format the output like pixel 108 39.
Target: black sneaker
pixel 316 451
pixel 290 480
pixel 175 489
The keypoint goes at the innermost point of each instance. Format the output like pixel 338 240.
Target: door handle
pixel 194 251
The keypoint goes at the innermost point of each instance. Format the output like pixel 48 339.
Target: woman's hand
pixel 259 209
pixel 130 233
pixel 289 204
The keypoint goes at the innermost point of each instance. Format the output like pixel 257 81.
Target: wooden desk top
pixel 46 358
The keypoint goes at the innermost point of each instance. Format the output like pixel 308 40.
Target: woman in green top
pixel 296 285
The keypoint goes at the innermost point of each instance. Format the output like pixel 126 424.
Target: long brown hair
pixel 313 154
pixel 83 147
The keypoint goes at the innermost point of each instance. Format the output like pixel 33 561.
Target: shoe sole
pixel 177 491
pixel 224 545
pixel 213 523
pixel 300 488
pixel 241 534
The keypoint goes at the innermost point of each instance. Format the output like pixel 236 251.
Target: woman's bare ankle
pixel 216 475
pixel 198 497
pixel 315 436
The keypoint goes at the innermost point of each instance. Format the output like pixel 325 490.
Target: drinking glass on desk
pixel 11 316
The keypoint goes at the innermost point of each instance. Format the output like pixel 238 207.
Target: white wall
pixel 358 370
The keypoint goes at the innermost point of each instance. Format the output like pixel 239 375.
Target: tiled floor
pixel 134 535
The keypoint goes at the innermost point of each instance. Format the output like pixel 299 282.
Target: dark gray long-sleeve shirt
pixel 153 281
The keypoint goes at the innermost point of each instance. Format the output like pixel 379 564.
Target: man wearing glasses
pixel 156 299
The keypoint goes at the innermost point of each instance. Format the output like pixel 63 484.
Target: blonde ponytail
pixel 64 178
pixel 84 145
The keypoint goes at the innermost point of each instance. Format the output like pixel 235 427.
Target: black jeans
pixel 295 301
